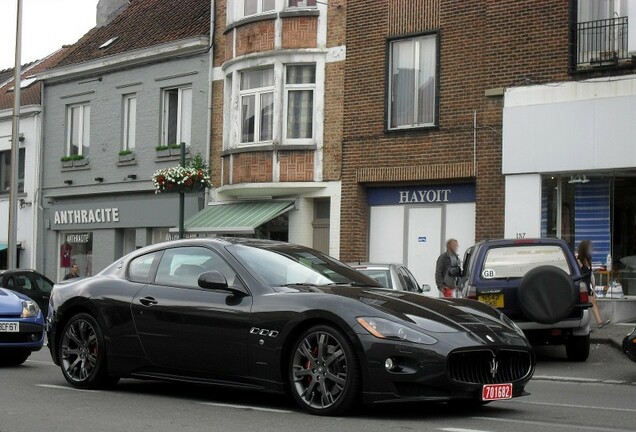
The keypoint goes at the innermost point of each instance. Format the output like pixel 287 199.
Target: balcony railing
pixel 601 43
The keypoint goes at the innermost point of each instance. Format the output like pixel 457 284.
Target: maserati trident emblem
pixel 494 366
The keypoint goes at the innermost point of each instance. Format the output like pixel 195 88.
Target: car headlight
pixel 30 309
pixel 386 329
pixel 511 323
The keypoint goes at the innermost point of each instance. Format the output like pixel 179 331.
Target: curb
pixel 607 341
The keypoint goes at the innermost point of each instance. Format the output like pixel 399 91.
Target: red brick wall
pixel 255 37
pixel 484 44
pixel 252 167
pixel 299 32
pixel 333 120
pixel 296 166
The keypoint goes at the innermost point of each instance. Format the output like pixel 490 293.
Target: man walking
pixel 446 262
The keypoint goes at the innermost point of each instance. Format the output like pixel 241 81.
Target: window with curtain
pixel 300 83
pixel 177 115
pixel 253 7
pixel 257 105
pixel 130 122
pixel 78 129
pixel 301 3
pixel 412 82
pixel 594 10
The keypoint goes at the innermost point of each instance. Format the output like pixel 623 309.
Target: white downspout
pixel 210 86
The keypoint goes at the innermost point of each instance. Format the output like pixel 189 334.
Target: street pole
pixel 182 195
pixel 12 251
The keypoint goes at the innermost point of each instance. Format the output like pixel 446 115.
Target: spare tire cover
pixel 546 295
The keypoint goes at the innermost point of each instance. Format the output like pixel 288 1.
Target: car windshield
pixel 383 276
pixel 515 261
pixel 285 265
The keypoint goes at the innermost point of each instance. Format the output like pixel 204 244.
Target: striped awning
pixel 235 217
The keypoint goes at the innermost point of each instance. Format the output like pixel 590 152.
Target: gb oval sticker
pixel 488 274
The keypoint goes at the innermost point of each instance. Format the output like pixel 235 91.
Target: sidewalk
pixel 611 334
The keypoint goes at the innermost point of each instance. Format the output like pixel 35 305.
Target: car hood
pixel 430 314
pixel 10 302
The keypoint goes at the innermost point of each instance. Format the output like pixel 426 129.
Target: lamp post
pixel 12 250
pixel 182 195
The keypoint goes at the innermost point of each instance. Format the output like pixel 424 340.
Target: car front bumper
pixel 30 337
pixel 423 373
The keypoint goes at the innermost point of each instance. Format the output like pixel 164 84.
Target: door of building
pixel 424 242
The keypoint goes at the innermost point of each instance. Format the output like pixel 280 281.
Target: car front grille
pixel 489 367
pixel 11 338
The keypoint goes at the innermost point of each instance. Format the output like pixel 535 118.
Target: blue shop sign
pixel 444 194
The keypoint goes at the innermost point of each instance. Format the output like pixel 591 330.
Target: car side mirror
pixel 214 280
pixel 425 288
pixel 455 271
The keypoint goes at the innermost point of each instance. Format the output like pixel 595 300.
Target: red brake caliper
pixel 314 351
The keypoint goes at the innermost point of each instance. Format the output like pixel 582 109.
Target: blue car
pixel 21 327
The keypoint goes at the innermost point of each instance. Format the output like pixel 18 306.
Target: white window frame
pixel 164 117
pixel 126 122
pixel 69 122
pixel 416 61
pixel 287 5
pixel 292 87
pixel 256 92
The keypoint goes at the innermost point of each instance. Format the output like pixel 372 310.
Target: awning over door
pixel 235 217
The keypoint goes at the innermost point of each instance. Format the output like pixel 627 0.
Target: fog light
pixel 389 364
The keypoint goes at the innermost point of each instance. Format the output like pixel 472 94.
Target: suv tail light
pixel 471 292
pixel 583 295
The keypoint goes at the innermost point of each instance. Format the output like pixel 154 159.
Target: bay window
pixel 78 129
pixel 412 82
pixel 253 7
pixel 257 105
pixel 300 83
pixel 301 3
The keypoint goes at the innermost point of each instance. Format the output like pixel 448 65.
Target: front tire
pixel 324 376
pixel 578 348
pixel 82 354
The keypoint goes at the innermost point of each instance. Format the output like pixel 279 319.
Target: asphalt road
pixel 599 395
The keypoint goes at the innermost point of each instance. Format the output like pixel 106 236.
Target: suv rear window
pixel 515 261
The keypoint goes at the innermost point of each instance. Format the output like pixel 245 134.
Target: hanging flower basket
pixel 181 179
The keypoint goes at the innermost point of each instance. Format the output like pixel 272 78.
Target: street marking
pixel 460 430
pixel 59 387
pixel 580 380
pixel 42 362
pixel 246 407
pixel 553 425
pixel 574 406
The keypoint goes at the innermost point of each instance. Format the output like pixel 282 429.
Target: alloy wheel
pixel 80 350
pixel 319 370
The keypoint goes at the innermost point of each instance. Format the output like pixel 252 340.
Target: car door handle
pixel 148 301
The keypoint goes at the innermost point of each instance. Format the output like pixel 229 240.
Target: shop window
pixel 257 105
pixel 77 248
pixel 177 116
pixel 412 82
pixel 78 129
pixel 300 83
pixel 5 171
pixel 130 122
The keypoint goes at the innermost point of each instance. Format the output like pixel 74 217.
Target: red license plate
pixel 492 392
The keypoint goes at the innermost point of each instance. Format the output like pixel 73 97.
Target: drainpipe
pixel 475 143
pixel 208 151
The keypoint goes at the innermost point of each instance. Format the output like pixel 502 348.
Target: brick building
pixel 424 97
pixel 277 107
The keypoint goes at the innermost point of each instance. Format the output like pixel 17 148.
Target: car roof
pixel 373 266
pixel 515 242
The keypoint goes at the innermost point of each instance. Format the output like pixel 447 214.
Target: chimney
pixel 107 10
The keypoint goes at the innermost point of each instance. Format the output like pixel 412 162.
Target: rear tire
pixel 324 376
pixel 14 358
pixel 578 348
pixel 82 354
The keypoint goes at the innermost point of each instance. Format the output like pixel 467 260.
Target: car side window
pixel 10 283
pixel 413 280
pixel 43 284
pixel 182 267
pixel 406 280
pixel 22 282
pixel 140 268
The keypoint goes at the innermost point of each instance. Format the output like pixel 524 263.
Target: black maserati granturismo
pixel 279 317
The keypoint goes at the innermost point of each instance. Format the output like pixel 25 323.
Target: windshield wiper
pixel 351 284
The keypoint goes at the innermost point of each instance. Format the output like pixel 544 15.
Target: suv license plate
pixel 494 300
pixel 9 327
pixel 491 392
